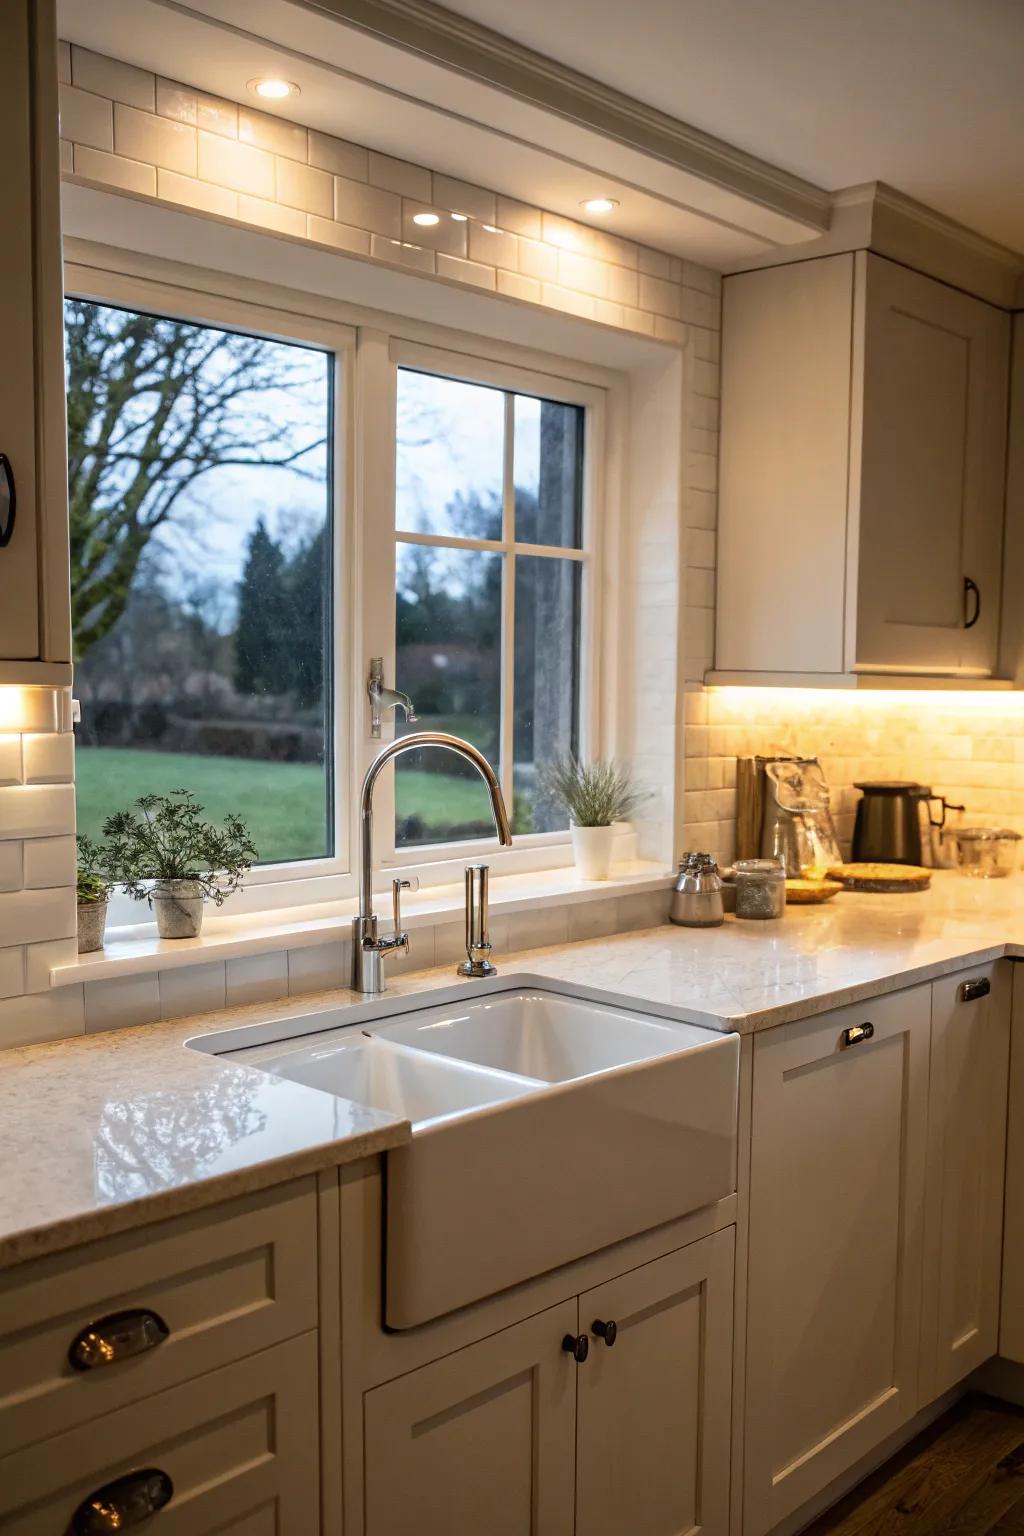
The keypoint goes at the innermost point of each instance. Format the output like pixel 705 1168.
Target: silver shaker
pixel 697 898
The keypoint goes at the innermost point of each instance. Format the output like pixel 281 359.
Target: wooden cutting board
pixel 881 878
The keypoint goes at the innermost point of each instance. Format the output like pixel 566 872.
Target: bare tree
pixel 153 405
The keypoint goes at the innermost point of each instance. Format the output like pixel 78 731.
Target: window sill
pixel 137 950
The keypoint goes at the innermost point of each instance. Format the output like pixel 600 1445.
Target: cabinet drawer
pixel 214 1285
pixel 236 1449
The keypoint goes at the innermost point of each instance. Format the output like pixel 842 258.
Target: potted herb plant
pixel 94 882
pixel 164 851
pixel 596 795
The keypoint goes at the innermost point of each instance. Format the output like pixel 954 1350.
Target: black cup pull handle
pixel 577 1345
pixel 971 590
pixel 971 991
pixel 119 1505
pixel 118 1337
pixel 8 501
pixel 855 1034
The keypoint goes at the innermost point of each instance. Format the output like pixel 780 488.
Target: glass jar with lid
pixel 760 888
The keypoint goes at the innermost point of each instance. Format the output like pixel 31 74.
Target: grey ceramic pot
pixel 178 905
pixel 92 923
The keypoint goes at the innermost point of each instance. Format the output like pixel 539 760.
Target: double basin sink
pixel 544 1126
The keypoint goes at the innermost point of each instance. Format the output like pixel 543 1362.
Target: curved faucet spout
pixel 395 749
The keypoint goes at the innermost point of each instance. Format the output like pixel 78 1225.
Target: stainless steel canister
pixel 697 898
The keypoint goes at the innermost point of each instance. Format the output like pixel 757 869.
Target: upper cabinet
pixel 35 637
pixel 862 473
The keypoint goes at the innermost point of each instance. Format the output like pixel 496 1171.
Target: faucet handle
pixel 397 887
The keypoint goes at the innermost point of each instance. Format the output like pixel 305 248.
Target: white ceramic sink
pixel 371 1071
pixel 541 1035
pixel 544 1127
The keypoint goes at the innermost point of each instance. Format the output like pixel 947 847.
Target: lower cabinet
pixel 966 1156
pixel 838 1141
pixel 231 1451
pixel 606 1413
pixel 876 1197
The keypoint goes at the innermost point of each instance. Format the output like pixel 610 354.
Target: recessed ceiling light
pixel 426 218
pixel 273 89
pixel 460 218
pixel 600 205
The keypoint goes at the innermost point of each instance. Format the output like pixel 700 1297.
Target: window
pixel 489 564
pixel 264 499
pixel 200 472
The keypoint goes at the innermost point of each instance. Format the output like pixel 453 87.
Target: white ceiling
pixel 927 95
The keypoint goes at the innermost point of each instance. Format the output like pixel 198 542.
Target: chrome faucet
pixel 382 698
pixel 369 948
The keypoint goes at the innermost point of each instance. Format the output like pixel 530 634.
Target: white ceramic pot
pixel 178 905
pixel 92 924
pixel 592 849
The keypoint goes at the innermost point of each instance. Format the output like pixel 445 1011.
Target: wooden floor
pixel 962 1477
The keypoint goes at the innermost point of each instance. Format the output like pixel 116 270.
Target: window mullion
pixel 508 604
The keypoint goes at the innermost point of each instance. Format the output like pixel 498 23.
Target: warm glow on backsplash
pixel 29 709
pixel 966 745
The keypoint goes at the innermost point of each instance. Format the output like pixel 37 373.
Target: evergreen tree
pixel 309 640
pixel 263 640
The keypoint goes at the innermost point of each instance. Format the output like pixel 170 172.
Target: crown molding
pixel 464 46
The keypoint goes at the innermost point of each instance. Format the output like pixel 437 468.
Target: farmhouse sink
pixel 544 1127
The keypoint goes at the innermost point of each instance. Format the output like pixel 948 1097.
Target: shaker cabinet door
pixel 652 1421
pixel 834 1279
pixel 966 1152
pixel 480 1440
pixel 932 453
pixel 19 625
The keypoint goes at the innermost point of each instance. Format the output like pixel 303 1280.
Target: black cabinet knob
pixel 577 1345
pixel 609 1331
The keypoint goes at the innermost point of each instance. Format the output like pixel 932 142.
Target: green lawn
pixel 284 804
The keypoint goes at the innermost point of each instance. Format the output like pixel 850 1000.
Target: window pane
pixel 546 682
pixel 200 487
pixel 448 658
pixel 548 471
pixel 449 463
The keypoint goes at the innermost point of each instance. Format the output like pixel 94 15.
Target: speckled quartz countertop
pixel 110 1131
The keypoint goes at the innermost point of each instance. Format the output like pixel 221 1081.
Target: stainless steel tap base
pixel 476 968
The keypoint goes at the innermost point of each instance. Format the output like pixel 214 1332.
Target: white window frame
pixel 431 862
pixel 369 347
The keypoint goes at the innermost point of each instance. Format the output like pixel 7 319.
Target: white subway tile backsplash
pixel 466 271
pixel 115 171
pixel 338 156
pixel 274 134
pixel 257 978
pixel 10 760
pixel 476 202
pixel 190 192
pixel 121 1002
pixel 189 989
pixel 271 215
pixel 514 286
pixel 403 252
pixel 242 167
pixel 319 968
pixel 518 218
pixel 302 186
pixel 495 246
pixel 447 235
pixel 86 119
pixel 157 141
pixel 12 971
pixel 29 915
pixel 64 63
pixel 41 958
pixel 109 77
pixel 399 176
pixel 48 759
pixel 367 207
pixel 11 866
pixel 342 236
pixel 31 1020
pixel 37 810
